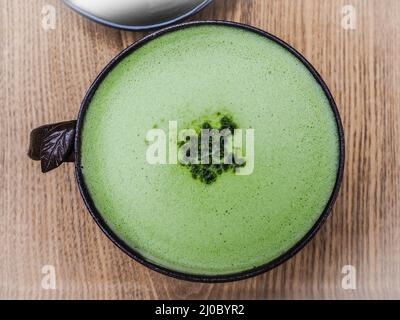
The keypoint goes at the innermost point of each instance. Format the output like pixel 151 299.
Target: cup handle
pixel 53 144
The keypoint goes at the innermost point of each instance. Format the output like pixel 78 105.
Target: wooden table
pixel 44 76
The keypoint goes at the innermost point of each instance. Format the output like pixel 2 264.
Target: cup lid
pixel 137 14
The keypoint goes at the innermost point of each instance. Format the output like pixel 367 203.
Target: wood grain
pixel 44 76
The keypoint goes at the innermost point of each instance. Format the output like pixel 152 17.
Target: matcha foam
pixel 238 222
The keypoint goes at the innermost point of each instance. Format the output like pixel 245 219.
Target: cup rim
pixel 108 23
pixel 198 277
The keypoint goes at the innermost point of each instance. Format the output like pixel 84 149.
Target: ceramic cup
pixel 47 138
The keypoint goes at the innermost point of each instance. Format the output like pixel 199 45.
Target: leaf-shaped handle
pixel 53 144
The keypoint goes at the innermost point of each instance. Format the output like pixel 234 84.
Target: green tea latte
pixel 171 214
